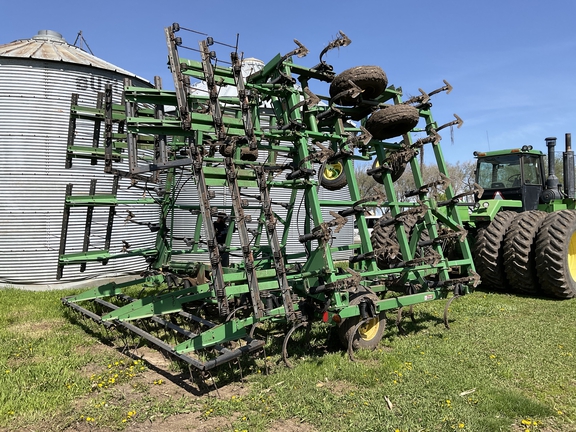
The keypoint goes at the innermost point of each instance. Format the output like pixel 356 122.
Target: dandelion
pixel 526 422
pixel 460 425
pixel 492 356
pixel 560 412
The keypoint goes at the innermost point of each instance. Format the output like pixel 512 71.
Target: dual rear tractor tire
pixel 556 254
pixel 532 252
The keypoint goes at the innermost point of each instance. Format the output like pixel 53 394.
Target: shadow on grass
pixel 520 294
pixel 413 322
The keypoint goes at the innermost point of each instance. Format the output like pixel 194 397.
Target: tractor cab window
pixel 532 170
pixel 499 172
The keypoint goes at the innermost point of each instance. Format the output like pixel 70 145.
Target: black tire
pixel 488 256
pixel 556 254
pixel 385 237
pixel 369 335
pixel 396 170
pixel 519 251
pixel 392 121
pixel 248 155
pixel 227 150
pixel 333 176
pixel 378 177
pixel 421 252
pixel 371 79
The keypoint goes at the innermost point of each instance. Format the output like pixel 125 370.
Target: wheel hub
pixel 332 171
pixel 572 256
pixel 369 329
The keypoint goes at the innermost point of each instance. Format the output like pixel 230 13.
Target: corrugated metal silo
pixel 37 79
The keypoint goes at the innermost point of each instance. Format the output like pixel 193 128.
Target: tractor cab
pixel 516 174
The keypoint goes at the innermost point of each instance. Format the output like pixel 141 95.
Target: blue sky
pixel 512 63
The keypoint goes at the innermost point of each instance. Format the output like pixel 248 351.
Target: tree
pixel 461 175
pixel 366 183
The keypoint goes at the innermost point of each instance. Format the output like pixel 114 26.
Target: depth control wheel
pixel 369 334
pixel 333 176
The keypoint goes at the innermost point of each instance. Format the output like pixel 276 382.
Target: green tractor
pixel 523 223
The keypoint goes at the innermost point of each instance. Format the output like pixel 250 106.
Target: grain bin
pixel 37 79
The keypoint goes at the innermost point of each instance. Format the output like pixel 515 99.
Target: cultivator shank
pixel 277 160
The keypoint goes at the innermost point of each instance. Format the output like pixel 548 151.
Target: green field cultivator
pixel 275 159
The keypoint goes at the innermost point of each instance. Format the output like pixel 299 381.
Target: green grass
pixel 506 364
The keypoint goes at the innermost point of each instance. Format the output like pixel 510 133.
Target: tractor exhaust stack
pixel 552 181
pixel 569 174
pixel 551 192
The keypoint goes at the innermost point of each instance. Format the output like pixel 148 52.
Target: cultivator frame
pixel 274 134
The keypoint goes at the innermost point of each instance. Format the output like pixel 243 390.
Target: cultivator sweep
pixel 265 152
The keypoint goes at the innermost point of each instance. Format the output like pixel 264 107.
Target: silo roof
pixel 50 45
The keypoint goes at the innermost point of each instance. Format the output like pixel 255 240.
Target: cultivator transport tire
pixel 371 79
pixel 369 334
pixel 396 171
pixel 392 121
pixel 556 254
pixel 378 177
pixel 333 176
pixel 488 256
pixel 519 251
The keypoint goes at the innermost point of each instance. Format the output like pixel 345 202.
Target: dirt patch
pixel 36 329
pixel 291 426
pixel 160 384
pixel 184 422
pixel 338 387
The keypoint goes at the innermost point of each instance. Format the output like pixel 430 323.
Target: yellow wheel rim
pixel 572 256
pixel 369 329
pixel 333 171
